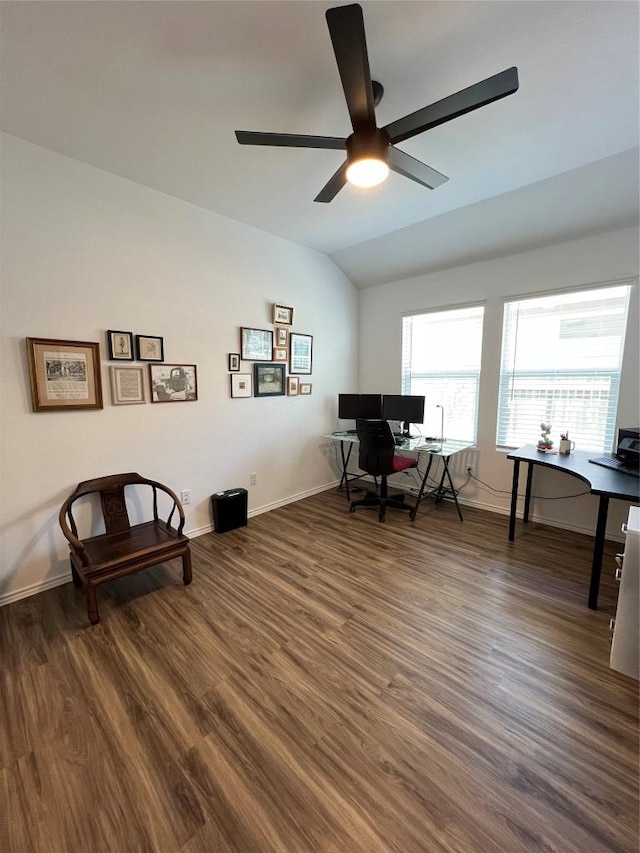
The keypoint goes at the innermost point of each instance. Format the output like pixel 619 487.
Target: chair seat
pixel 107 552
pixel 401 463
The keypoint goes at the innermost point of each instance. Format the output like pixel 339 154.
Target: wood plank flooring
pixel 328 684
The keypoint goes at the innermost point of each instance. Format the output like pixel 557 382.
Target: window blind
pixel 441 353
pixel 561 362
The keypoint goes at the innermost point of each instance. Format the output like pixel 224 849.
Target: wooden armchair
pixel 122 548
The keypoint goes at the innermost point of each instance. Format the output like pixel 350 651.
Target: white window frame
pixel 600 440
pixel 438 412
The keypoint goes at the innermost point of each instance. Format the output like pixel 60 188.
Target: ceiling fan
pixel 371 150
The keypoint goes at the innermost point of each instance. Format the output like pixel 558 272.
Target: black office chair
pixel 378 457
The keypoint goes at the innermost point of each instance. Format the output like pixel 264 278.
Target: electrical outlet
pixel 253 478
pixel 185 496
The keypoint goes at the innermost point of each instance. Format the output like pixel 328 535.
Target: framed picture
pixel 241 385
pixel 292 386
pixel 127 386
pixel 280 354
pixel 305 388
pixel 234 361
pixel 149 348
pixel 300 353
pixel 64 374
pixel 282 315
pixel 256 344
pixel 268 380
pixel 281 338
pixel 173 383
pixel 120 345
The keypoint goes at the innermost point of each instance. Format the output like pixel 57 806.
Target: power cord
pixel 537 497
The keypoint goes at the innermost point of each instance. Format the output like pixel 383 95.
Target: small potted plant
pixel 545 444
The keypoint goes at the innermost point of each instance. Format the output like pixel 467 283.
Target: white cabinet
pixel 625 647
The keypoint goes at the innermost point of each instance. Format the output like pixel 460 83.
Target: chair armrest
pixel 176 504
pixel 73 540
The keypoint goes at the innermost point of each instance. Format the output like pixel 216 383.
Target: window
pixel 441 352
pixel 561 360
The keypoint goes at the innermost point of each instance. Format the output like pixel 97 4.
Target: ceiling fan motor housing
pixel 368 144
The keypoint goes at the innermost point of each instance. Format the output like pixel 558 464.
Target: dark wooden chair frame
pixel 122 548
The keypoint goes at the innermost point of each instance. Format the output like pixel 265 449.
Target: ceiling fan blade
pixel 289 140
pixel 333 186
pixel 346 28
pixel 414 169
pixel 479 95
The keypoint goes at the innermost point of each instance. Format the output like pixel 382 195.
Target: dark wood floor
pixel 326 684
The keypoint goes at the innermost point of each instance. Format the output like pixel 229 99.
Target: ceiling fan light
pixel 367 172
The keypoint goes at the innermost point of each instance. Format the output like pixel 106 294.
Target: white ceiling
pixel 153 92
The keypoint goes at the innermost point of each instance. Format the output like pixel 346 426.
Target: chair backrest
pixel 377 447
pixel 112 501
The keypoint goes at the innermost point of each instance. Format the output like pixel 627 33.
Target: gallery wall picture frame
pixel 173 383
pixel 282 315
pixel 280 354
pixel 149 348
pixel 269 380
pixel 234 361
pixel 127 385
pixel 281 338
pixel 64 374
pixel 120 345
pixel 293 385
pixel 256 344
pixel 300 353
pixel 305 389
pixel 241 385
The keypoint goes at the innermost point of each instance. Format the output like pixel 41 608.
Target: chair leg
pixel 186 568
pixel 92 604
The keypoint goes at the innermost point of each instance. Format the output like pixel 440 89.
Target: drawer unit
pixel 625 646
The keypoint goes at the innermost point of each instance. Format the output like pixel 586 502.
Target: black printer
pixel 628 450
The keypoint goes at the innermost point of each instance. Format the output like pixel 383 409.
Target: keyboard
pixel 615 465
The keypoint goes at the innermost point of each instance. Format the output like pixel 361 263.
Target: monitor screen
pixel 353 406
pixel 403 407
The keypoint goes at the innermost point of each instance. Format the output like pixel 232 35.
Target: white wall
pixel 601 258
pixel 84 251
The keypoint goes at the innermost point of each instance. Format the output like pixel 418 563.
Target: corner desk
pixel 601 481
pixel 432 449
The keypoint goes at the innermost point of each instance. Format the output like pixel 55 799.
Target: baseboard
pixel 193 533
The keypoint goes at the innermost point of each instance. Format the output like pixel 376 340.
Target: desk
pixel 434 450
pixel 601 481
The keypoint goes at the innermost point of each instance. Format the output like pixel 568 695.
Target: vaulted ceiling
pixel 153 92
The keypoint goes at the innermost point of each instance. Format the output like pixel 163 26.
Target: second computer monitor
pixel 408 408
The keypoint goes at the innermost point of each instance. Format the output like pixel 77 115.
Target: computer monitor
pixel 408 408
pixel 354 406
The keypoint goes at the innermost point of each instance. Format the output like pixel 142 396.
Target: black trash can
pixel 229 509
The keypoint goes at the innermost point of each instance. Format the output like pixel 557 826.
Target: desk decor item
pixel 120 345
pixel 566 445
pixel 305 388
pixel 282 315
pixel 300 353
pixel 64 374
pixel 149 348
pixel 256 344
pixel 234 361
pixel 173 383
pixel 545 444
pixel 269 380
pixel 127 386
pixel 293 386
pixel 241 385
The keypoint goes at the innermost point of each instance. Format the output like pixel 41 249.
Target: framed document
pixel 300 353
pixel 256 344
pixel 64 374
